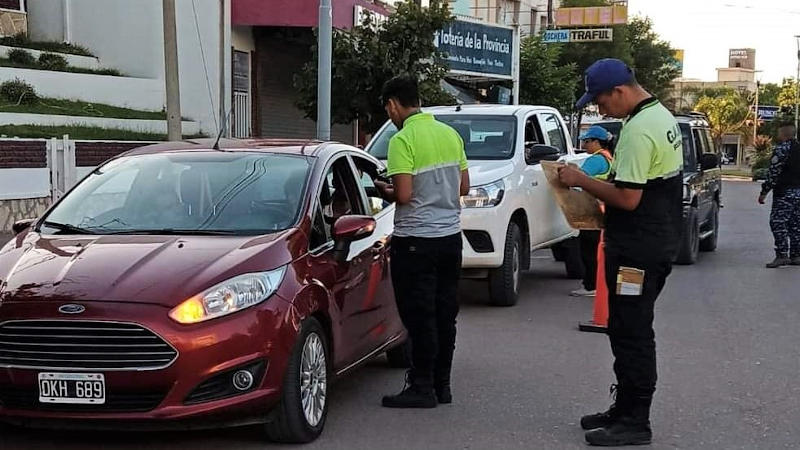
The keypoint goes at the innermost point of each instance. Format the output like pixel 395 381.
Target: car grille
pixel 74 344
pixel 13 397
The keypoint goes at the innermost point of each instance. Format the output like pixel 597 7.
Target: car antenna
pixel 222 129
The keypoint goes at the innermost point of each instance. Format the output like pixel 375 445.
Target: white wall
pixel 24 183
pixel 128 35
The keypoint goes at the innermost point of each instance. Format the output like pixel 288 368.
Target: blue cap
pixel 604 75
pixel 595 132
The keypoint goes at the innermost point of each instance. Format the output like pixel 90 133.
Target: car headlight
pixel 484 196
pixel 229 297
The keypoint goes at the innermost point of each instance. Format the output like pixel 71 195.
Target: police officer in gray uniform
pixel 783 179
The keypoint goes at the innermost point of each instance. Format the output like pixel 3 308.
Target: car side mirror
pixel 349 229
pixel 540 152
pixel 709 161
pixel 22 225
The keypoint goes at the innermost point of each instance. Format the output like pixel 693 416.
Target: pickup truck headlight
pixel 485 196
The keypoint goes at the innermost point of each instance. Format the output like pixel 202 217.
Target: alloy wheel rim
pixel 313 379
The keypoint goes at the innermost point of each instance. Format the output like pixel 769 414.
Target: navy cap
pixel 604 75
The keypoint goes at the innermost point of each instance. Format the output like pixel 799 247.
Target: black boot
pixel 779 261
pixel 606 418
pixel 632 428
pixel 441 385
pixel 415 394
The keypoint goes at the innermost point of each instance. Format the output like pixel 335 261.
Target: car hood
pixel 485 171
pixel 131 268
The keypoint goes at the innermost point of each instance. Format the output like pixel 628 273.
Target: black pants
pixel 425 273
pixel 589 241
pixel 630 328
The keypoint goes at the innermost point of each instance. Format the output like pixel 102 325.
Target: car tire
pixel 289 423
pixel 400 357
pixel 573 263
pixel 709 244
pixel 504 280
pixel 690 239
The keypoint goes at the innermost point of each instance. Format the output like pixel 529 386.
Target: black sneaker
pixel 444 395
pixel 621 432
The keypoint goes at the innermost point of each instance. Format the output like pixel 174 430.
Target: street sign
pixel 477 48
pixel 579 35
pixel 591 35
pixel 767 113
pixel 552 36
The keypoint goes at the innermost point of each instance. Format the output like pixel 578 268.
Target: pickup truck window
pixel 485 136
pixel 689 155
pixel 554 131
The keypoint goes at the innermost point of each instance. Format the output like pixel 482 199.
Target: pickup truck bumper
pixel 484 236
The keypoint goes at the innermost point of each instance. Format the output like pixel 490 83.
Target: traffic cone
pixel 599 323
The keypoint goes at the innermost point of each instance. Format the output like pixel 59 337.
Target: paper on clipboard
pixel 581 209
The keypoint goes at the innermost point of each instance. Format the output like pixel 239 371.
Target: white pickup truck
pixel 510 210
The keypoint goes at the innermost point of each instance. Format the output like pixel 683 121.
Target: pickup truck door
pixel 557 136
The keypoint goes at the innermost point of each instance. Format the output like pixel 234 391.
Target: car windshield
pixel 485 136
pixel 185 193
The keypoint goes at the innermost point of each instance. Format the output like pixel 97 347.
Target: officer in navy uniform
pixel 783 179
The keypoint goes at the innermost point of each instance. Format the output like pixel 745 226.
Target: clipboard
pixel 581 209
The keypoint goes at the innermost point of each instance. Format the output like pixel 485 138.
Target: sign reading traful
pixel 579 35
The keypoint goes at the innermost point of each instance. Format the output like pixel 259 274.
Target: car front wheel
pixel 690 241
pixel 709 244
pixel 300 415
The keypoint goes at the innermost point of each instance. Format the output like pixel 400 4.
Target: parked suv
pixel 510 210
pixel 702 185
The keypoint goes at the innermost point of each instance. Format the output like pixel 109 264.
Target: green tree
pixel 368 55
pixel 653 59
pixel 788 94
pixel 543 80
pixel 727 114
pixel 768 94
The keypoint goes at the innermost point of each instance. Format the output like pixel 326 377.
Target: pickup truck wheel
pixel 504 281
pixel 690 240
pixel 709 244
pixel 572 259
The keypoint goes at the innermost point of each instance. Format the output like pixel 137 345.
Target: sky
pixel 707 29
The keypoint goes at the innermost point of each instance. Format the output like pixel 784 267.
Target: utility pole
pixel 550 14
pixel 325 45
pixel 171 78
pixel 223 113
pixel 755 119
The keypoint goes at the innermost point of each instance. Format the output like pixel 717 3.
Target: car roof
pixel 487 109
pixel 305 147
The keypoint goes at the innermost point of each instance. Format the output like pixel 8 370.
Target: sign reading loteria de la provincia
pixel 477 48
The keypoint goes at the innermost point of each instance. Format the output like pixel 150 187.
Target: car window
pixel 689 155
pixel 368 172
pixel 710 148
pixel 552 127
pixel 699 142
pixel 338 197
pixel 533 133
pixel 192 192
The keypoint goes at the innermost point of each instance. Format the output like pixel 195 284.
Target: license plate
pixel 74 388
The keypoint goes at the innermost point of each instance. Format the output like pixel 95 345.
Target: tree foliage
pixel 727 114
pixel 543 79
pixel 369 54
pixel 768 94
pixel 787 97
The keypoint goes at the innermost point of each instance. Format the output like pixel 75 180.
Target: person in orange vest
pixel 596 141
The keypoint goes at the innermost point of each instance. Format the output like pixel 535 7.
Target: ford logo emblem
pixel 71 309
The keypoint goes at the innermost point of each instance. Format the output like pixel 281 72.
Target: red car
pixel 177 284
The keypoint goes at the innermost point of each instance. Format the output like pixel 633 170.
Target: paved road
pixel 728 357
